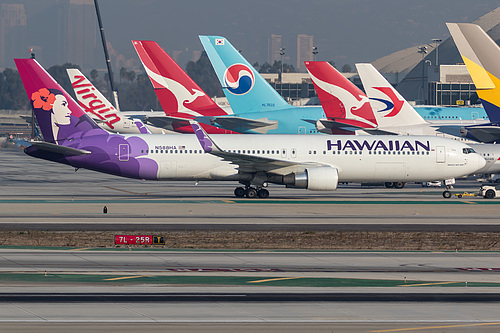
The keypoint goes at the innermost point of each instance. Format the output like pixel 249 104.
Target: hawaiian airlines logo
pixel 239 79
pixel 395 104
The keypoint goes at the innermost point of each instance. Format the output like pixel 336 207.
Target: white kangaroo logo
pixel 180 92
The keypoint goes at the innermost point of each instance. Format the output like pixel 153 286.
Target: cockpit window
pixel 468 151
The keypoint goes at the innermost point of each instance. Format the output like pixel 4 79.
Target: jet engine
pixel 314 179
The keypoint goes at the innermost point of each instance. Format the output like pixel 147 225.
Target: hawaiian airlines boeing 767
pixel 313 162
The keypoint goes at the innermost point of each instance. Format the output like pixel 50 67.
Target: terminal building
pixel 430 74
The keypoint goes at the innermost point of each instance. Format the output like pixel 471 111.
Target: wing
pixel 249 163
pixel 47 146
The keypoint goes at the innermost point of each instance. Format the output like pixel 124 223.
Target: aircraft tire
pixel 251 192
pixel 239 192
pixel 490 194
pixel 399 184
pixel 263 193
pixel 389 184
pixel 446 194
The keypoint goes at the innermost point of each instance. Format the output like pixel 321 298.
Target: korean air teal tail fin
pixel 245 89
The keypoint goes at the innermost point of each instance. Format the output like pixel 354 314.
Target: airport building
pixel 429 74
pixel 434 73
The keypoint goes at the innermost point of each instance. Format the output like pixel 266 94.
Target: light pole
pixel 437 41
pixel 315 51
pixel 282 53
pixel 423 51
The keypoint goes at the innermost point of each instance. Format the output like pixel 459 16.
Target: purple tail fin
pixel 60 118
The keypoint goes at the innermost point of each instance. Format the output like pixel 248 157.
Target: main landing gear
pixel 394 184
pixel 251 192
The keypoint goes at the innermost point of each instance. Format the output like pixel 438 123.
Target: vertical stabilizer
pixel 340 98
pixel 390 108
pixel 176 91
pixel 60 118
pixel 245 89
pixel 99 108
pixel 481 55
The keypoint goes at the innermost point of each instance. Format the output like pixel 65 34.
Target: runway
pixel 414 266
pixel 352 291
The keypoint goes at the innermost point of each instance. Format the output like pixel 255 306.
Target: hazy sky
pixel 345 31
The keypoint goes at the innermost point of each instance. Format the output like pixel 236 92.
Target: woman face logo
pixel 61 111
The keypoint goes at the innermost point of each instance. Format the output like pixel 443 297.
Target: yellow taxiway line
pixel 277 279
pixel 434 327
pixel 428 284
pixel 126 277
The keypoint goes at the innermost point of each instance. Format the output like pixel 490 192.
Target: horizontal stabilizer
pixel 232 123
pixel 378 131
pixel 53 148
pixel 326 125
pixel 166 122
pixel 485 133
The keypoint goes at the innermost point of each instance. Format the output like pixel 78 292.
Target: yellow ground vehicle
pixel 485 191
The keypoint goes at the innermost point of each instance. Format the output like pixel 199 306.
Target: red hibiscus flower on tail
pixel 43 99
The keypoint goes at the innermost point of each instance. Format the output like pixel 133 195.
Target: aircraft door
pixel 283 152
pixel 302 130
pixel 123 152
pixel 440 154
pixel 294 152
pixel 475 115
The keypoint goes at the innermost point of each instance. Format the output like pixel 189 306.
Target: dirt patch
pixel 334 240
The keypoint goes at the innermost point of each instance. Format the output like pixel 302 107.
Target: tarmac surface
pixel 83 289
pixel 41 195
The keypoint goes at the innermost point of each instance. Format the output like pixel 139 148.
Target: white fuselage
pixel 357 158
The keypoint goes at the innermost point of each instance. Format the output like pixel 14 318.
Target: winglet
pixel 206 143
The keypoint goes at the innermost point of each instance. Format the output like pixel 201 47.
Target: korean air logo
pixel 239 79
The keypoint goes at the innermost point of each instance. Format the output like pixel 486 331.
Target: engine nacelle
pixel 314 179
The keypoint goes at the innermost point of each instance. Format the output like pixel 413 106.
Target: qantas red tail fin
pixel 176 91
